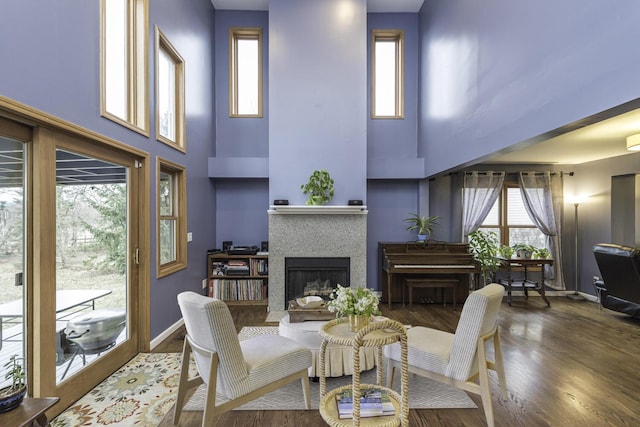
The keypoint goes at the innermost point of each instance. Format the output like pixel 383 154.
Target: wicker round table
pixel 376 334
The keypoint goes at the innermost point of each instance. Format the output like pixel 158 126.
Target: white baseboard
pixel 166 333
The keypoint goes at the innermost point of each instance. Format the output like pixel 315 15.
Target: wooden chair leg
pixel 306 391
pixel 182 384
pixel 210 402
pixel 499 365
pixel 391 370
pixel 483 379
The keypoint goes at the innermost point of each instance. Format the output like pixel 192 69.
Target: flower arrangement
pixel 353 301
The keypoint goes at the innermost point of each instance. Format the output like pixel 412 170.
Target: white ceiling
pixel 376 6
pixel 601 140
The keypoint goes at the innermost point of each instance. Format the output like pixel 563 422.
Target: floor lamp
pixel 575 295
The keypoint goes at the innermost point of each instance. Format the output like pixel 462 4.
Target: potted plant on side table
pixel 422 224
pixel 11 396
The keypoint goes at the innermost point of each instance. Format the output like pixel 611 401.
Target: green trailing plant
pixel 15 373
pixel 505 251
pixel 541 253
pixel 319 188
pixel 484 247
pixel 422 224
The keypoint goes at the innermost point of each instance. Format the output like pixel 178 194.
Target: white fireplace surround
pixel 315 231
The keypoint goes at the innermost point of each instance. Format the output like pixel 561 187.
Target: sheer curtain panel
pixel 480 190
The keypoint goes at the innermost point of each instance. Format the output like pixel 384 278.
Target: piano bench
pixel 429 283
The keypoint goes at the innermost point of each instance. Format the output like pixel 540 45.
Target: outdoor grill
pixel 96 330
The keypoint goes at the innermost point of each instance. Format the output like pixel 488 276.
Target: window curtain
pixel 541 197
pixel 480 190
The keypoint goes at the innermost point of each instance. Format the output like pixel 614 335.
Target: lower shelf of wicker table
pixel 329 409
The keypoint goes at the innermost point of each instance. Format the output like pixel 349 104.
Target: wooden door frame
pixel 50 132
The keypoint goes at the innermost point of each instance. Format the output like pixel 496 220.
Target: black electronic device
pixel 264 246
pixel 281 202
pixel 355 203
pixel 242 250
pixel 226 245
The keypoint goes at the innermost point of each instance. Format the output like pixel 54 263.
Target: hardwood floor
pixel 570 364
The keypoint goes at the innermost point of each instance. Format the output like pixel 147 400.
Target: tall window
pixel 170 119
pixel 124 69
pixel 509 219
pixel 387 74
pixel 172 217
pixel 245 72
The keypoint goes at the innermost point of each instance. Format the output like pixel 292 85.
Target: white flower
pixel 358 301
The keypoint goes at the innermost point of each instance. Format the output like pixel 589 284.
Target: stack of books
pixel 374 402
pixel 237 268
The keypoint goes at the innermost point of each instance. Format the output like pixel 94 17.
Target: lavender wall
pixel 53 49
pixel 240 137
pixel 317 96
pixel 494 73
pixel 395 138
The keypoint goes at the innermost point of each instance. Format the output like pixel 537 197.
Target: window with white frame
pixel 245 72
pixel 124 64
pixel 387 75
pixel 170 116
pixel 172 217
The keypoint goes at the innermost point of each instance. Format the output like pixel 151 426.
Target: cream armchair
pixel 459 359
pixel 238 371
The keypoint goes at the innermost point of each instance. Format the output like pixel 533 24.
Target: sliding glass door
pixel 12 244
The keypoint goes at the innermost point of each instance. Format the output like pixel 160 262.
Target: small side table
pixel 375 334
pixel 30 413
pixel 526 283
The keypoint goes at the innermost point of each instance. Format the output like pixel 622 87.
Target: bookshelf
pixel 238 279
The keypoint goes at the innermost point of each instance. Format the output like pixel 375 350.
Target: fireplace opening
pixel 314 276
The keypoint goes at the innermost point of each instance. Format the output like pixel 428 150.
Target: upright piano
pixel 430 259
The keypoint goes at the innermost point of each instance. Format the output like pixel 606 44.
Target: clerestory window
pixel 245 72
pixel 387 74
pixel 124 64
pixel 170 115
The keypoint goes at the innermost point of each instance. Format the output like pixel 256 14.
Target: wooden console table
pixel 29 414
pixel 525 283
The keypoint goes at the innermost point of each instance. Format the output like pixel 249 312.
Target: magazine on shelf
pixel 374 402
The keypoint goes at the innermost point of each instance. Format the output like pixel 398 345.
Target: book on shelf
pixel 374 402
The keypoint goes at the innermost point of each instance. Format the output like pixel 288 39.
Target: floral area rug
pixel 139 394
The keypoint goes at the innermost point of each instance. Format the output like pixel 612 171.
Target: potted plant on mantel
pixel 11 396
pixel 319 188
pixel 422 224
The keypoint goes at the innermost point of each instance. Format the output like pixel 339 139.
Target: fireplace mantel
pixel 317 210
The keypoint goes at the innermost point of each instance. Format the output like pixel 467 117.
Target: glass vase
pixel 357 322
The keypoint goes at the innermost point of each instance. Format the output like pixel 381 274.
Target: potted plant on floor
pixel 319 188
pixel 11 396
pixel 422 224
pixel 484 247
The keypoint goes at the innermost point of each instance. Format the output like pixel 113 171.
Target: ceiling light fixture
pixel 633 142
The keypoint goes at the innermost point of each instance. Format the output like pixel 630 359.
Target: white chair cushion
pixel 427 348
pixel 272 357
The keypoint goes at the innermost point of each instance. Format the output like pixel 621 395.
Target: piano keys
pixel 437 260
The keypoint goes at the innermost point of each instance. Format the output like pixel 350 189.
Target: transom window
pixel 170 118
pixel 124 65
pixel 509 219
pixel 245 72
pixel 387 71
pixel 172 217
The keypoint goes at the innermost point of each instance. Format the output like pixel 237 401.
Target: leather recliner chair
pixel 620 269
